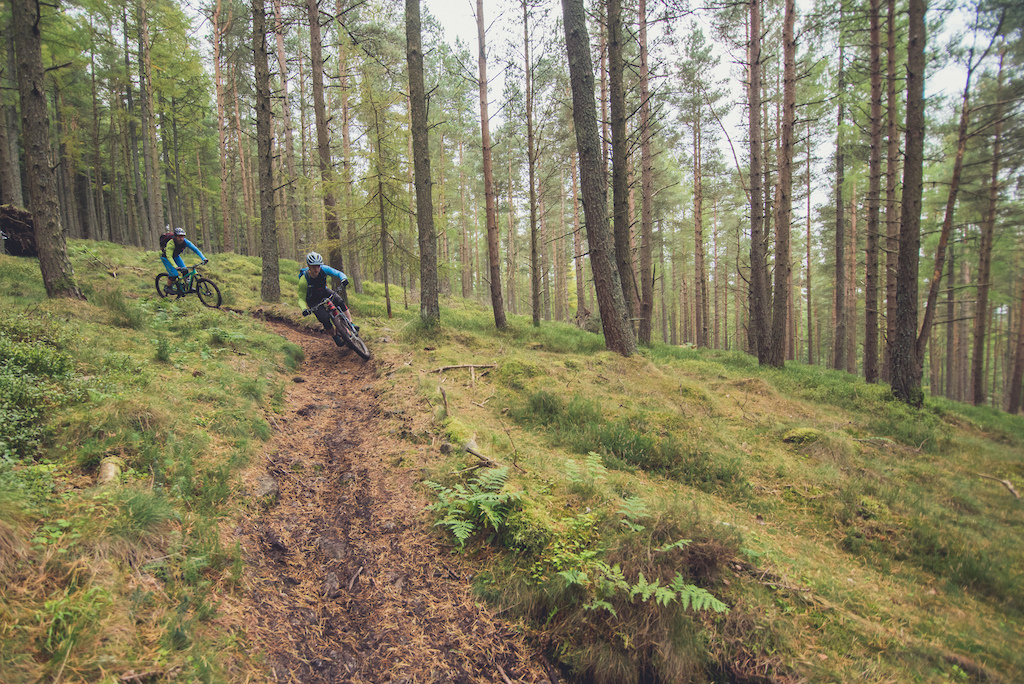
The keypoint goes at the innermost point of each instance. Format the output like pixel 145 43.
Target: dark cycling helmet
pixel 179 231
pixel 314 259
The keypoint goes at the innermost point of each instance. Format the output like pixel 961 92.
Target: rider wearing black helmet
pixel 313 290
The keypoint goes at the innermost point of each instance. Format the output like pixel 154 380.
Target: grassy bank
pixel 682 515
pixel 140 575
pixel 848 536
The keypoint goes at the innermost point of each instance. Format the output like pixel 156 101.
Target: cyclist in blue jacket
pixel 313 289
pixel 181 243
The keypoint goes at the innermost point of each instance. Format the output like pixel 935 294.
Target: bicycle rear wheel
pixel 209 293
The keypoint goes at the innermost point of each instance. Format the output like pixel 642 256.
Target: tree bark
pixel 291 192
pixel 58 275
pixel 873 198
pixel 323 139
pixel 531 162
pixel 430 311
pixel 892 218
pixel 700 276
pixel 493 258
pixel 614 315
pixel 839 338
pixel 620 179
pixel 646 189
pixel 759 334
pixel 906 375
pixel 270 282
pixel 148 121
pixel 784 212
pixel 219 30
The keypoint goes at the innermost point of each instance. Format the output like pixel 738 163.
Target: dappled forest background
pixel 152 121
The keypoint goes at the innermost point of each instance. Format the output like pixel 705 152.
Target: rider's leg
pixel 325 320
pixel 172 275
pixel 181 285
pixel 340 302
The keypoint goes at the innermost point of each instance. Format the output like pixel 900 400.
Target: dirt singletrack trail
pixel 346 580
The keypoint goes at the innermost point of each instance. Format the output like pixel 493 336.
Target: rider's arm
pixel 189 245
pixel 303 286
pixel 335 273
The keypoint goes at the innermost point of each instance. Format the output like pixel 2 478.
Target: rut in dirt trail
pixel 346 582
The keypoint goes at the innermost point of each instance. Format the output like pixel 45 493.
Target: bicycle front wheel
pixel 209 293
pixel 352 339
pixel 162 279
pixel 355 342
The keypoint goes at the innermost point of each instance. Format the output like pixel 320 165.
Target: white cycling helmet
pixel 314 259
pixel 179 231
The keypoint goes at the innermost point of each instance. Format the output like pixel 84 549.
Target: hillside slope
pixel 682 515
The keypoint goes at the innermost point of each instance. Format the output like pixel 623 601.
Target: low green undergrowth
pixel 629 442
pixel 132 575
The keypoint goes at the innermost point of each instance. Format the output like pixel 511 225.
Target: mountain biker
pixel 314 290
pixel 181 243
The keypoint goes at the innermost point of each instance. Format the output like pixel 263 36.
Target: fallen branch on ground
pixel 464 365
pixel 1005 483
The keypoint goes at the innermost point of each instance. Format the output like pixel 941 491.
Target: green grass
pixel 817 507
pixel 850 537
pixel 175 393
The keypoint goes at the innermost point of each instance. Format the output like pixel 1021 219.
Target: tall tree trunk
pixel 892 215
pixel 58 275
pixel 1013 403
pixel 839 338
pixel 646 189
pixel 620 179
pixel 13 192
pixel 511 253
pixel 874 192
pixel 531 162
pixel 169 180
pixel 906 373
pixel 577 241
pixel 322 135
pixel 430 311
pixel 851 287
pixel 290 191
pixel 147 116
pixel 493 259
pixel 759 333
pixel 985 250
pixel 220 29
pixel 270 282
pixel 783 267
pixel 700 279
pixel 465 256
pixel 810 319
pixel 618 332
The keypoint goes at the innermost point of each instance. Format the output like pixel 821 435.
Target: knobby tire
pixel 209 293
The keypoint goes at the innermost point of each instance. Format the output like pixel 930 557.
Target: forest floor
pixel 346 580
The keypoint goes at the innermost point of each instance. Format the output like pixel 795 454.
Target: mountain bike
pixel 343 326
pixel 189 282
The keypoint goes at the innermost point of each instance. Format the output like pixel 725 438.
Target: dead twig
pixel 515 451
pixel 352 581
pixel 464 365
pixel 1005 483
pixel 503 675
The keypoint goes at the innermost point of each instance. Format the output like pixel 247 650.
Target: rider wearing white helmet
pixel 181 243
pixel 313 290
